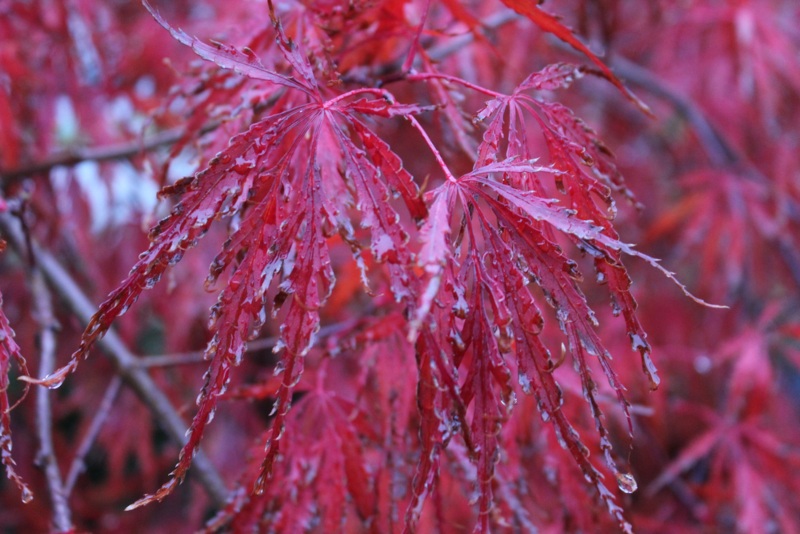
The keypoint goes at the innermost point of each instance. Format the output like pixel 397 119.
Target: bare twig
pixel 719 151
pixel 46 457
pixel 180 358
pixel 106 153
pixel 198 356
pixel 447 48
pixel 790 257
pixel 128 366
pixel 717 148
pixel 392 71
pixel 120 150
pixel 89 438
pixel 184 358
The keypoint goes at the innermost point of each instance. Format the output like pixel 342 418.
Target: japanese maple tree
pixel 389 248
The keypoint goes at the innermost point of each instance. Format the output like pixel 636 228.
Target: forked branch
pixel 128 365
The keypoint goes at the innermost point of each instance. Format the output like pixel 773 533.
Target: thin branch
pixel 449 47
pixel 184 358
pixel 169 360
pixel 128 366
pixel 393 71
pixel 100 416
pixel 105 153
pixel 716 146
pixel 46 457
pixel 719 151
pixel 198 356
pixel 790 257
pixel 123 150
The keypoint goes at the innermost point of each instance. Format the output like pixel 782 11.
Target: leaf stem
pixel 422 76
pixel 368 90
pixel 415 123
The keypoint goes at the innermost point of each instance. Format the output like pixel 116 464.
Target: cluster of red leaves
pixel 411 212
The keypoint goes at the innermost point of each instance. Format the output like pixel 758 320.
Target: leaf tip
pixel 138 504
pixel 51 381
pixel 28 379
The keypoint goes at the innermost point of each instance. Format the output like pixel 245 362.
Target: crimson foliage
pixel 395 203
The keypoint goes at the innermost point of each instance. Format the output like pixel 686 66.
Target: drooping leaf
pixel 243 62
pixel 9 353
pixel 552 24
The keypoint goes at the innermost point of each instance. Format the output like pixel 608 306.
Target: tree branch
pixel 117 151
pixel 106 153
pixel 128 366
pixel 46 457
pixel 719 151
pixel 77 467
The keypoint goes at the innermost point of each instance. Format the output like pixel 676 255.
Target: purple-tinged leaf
pixel 291 52
pixel 489 148
pixel 392 170
pixel 243 62
pixel 552 77
pixel 562 220
pixel 434 253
